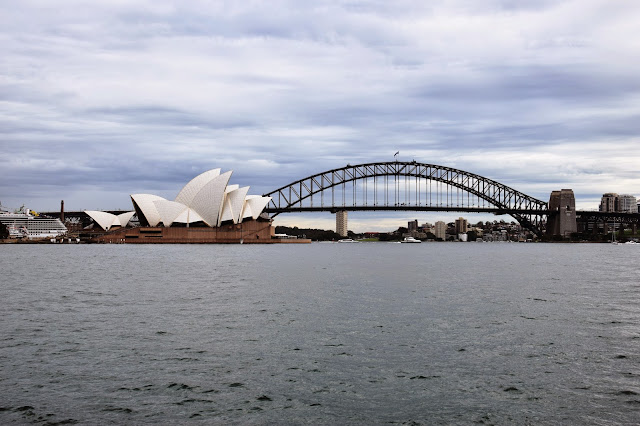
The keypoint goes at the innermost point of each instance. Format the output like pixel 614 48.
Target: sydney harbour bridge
pixel 414 186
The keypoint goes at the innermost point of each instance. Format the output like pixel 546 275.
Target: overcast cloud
pixel 102 99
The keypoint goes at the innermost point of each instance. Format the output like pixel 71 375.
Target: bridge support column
pixel 562 213
pixel 634 229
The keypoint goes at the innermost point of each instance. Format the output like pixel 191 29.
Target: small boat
pixel 613 234
pixel 348 240
pixel 410 240
pixel 631 242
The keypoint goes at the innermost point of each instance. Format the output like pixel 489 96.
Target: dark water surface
pixel 320 334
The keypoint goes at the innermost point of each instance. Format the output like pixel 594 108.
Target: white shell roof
pixel 233 204
pixel 208 201
pixel 253 206
pixel 208 198
pixel 103 219
pixel 190 190
pixel 246 208
pixel 188 216
pixel 146 204
pixel 124 218
pixel 169 211
pixel 107 220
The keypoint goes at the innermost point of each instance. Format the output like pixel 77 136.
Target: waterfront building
pixel 461 225
pixel 609 202
pixel 412 226
pixel 206 200
pixel 440 230
pixel 478 231
pixel 627 204
pixel 206 210
pixel 612 202
pixel 341 223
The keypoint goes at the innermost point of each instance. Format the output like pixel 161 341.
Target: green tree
pixel 313 234
pixel 384 236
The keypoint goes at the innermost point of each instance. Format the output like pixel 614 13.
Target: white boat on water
pixel 24 223
pixel 613 234
pixel 348 240
pixel 410 240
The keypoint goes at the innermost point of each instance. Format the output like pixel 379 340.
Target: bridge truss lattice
pixel 406 186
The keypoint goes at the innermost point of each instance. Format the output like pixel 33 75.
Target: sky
pixel 102 99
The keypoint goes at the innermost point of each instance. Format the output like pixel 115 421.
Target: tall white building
pixel 341 223
pixel 627 204
pixel 440 230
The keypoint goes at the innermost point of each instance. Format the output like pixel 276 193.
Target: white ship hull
pixel 25 225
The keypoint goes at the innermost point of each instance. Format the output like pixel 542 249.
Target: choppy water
pixel 320 334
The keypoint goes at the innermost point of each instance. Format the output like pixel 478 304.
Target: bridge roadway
pixel 492 210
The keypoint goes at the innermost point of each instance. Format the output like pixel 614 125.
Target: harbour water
pixel 370 333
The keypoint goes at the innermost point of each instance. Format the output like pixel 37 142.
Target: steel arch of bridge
pixel 388 178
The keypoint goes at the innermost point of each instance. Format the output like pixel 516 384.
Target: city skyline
pixel 105 100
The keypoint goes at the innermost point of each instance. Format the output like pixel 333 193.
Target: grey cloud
pixel 279 91
pixel 165 116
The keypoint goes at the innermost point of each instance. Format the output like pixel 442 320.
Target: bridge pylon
pixel 561 220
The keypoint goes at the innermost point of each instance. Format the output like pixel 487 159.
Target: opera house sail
pixel 207 209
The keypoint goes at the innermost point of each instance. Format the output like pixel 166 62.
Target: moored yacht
pixel 410 240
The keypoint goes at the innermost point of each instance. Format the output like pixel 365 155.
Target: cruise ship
pixel 24 223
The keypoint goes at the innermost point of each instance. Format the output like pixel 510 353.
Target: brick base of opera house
pixel 251 232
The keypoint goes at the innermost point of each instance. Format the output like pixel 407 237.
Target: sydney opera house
pixel 206 210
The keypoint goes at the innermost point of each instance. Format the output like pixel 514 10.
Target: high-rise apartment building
pixel 461 226
pixel 609 202
pixel 341 223
pixel 440 230
pixel 627 204
pixel 612 202
pixel 412 226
